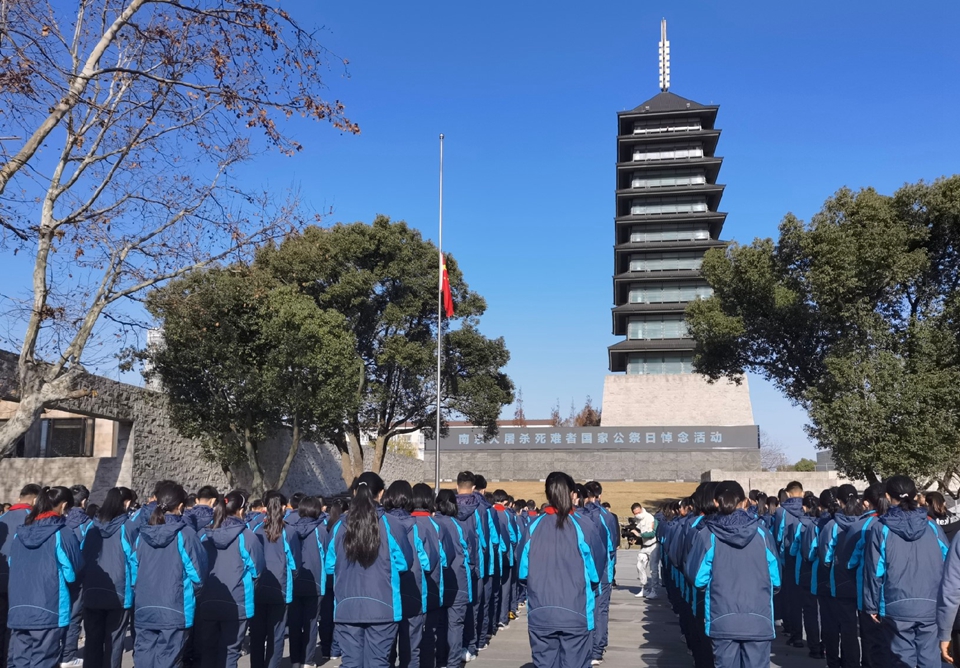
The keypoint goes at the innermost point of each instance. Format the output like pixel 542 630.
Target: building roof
pixel 668 102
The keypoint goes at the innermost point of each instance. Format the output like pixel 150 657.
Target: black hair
pixel 162 483
pixel 336 507
pixel 169 497
pixel 581 493
pixel 310 507
pixel 633 508
pixel 466 477
pixel 903 492
pixel 361 540
pixel 794 486
pixel 754 494
pixel 811 504
pixel 92 509
pixel 447 502
pixel 829 502
pixel 479 481
pixel 500 496
pixel 273 525
pixel 874 495
pixel 708 505
pixel 399 496
pixel 208 492
pixel 606 504
pixel 936 505
pixel 531 505
pixel 30 489
pixel 849 500
pixel 48 500
pixel 227 506
pixel 687 502
pixel 558 490
pixel 773 502
pixel 296 499
pixel 781 495
pixel 114 505
pixel 728 495
pixel 422 498
pixel 256 503
pixel 594 489
pixel 80 494
pixel 519 504
pixel 488 496
pixel 190 501
pixel 761 500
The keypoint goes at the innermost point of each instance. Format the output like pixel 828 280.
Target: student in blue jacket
pixel 805 541
pixel 562 579
pixel 368 551
pixel 226 602
pixel 309 582
pixel 108 552
pixel 77 520
pixel 903 565
pixel 785 521
pixel 9 522
pixel 171 570
pixel 489 596
pixel 429 539
pixel 610 538
pixel 458 580
pixel 336 508
pixel 470 516
pixel 200 516
pixel 44 560
pixel 838 600
pixel 735 564
pixel 274 591
pixel 505 558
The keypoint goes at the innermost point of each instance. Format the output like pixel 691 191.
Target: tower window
pixel 659 364
pixel 666 179
pixel 668 293
pixel 675 232
pixel 665 261
pixel 667 205
pixel 673 125
pixel 657 327
pixel 645 153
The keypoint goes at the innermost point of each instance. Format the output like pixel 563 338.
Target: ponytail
pixel 362 538
pixel 903 492
pixel 47 502
pixel 170 496
pixel 114 505
pixel 558 488
pixel 273 525
pixel 227 506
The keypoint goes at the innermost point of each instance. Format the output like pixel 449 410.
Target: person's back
pixel 280 561
pixel 171 570
pixel 310 577
pixel 235 559
pixel 109 557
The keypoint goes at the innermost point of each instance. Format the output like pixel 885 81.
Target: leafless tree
pixel 131 116
pixel 519 416
pixel 772 453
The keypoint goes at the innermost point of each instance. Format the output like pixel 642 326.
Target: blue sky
pixel 813 96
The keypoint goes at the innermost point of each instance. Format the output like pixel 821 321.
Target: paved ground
pixel 642 634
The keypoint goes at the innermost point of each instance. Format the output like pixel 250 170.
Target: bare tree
pixel 772 454
pixel 519 417
pixel 133 114
pixel 555 419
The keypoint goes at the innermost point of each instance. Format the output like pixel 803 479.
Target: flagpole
pixel 439 319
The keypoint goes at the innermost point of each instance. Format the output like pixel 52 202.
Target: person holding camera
pixel 644 532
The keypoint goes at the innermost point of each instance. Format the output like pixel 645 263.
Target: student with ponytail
pixel 171 570
pixel 226 603
pixel 851 546
pixel 429 539
pixel 367 553
pixel 458 580
pixel 44 558
pixel 108 552
pixel 562 577
pixel 309 583
pixel 281 556
pixel 903 565
pixel 838 597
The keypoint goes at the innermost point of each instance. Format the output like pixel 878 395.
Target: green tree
pixel 383 279
pixel 853 316
pixel 805 466
pixel 245 357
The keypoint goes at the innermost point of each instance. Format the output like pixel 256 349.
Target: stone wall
pixel 661 465
pixel 674 400
pixel 772 482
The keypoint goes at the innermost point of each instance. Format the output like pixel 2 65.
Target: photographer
pixel 644 532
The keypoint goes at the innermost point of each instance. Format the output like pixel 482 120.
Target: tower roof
pixel 668 102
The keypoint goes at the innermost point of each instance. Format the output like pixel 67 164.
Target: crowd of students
pixel 396 576
pixel 868 579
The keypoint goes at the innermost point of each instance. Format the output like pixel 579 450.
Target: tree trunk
pixel 291 453
pixel 352 459
pixel 253 461
pixel 379 452
pixel 35 393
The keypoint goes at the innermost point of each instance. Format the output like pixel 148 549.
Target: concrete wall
pixel 674 400
pixel 773 482
pixel 596 465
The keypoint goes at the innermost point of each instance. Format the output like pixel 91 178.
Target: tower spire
pixel 664 57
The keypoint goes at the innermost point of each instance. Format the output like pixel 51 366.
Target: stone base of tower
pixel 674 400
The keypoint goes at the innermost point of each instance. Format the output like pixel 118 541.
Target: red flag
pixel 447 295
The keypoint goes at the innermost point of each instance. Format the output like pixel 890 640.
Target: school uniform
pixel 458 581
pixel 699 643
pixel 471 517
pixel 428 540
pixel 948 597
pixel 490 594
pixel 851 546
pixel 328 643
pixel 308 585
pixel 44 559
pixel 171 570
pixel 562 577
pixel 76 519
pixel 9 522
pixel 413 589
pixel 199 517
pixel 803 574
pixel 227 601
pixel 840 632
pixel 610 538
pixel 274 591
pixel 108 577
pixel 785 522
pixel 903 565
pixel 367 602
pixel 505 560
pixel 734 562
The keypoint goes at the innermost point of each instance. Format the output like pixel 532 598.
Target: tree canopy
pixel 853 316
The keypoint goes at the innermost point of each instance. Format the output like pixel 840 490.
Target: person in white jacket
pixel 648 571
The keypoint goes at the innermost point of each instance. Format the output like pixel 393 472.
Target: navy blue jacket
pixel 903 563
pixel 561 574
pixel 610 537
pixel 171 570
pixel 44 558
pixel 804 533
pixel 508 537
pixel 235 559
pixel 785 522
pixel 369 595
pixel 431 544
pixel 9 522
pixel 457 576
pixel 948 598
pixel 492 530
pixel 413 583
pixel 78 520
pixel 281 560
pixel 199 517
pixel 842 581
pixel 734 561
pixel 311 575
pixel 111 563
pixel 471 516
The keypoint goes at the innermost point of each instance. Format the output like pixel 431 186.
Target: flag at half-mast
pixel 447 295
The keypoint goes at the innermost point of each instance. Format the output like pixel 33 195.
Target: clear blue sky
pixel 812 96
